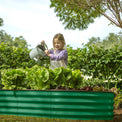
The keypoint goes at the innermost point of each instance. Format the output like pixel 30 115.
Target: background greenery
pixel 100 59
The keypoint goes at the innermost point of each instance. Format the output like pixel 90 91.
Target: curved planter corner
pixel 77 105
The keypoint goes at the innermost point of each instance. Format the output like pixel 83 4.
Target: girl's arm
pixel 62 55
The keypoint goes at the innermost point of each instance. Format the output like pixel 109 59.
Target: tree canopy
pixel 108 42
pixel 1 21
pixel 16 42
pixel 78 14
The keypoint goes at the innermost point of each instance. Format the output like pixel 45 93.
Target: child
pixel 58 56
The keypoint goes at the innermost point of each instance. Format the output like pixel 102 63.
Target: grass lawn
pixel 10 118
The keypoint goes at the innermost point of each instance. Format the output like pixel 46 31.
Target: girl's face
pixel 58 44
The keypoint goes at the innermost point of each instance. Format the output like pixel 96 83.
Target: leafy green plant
pixel 43 78
pixel 40 78
pixel 118 100
pixel 14 79
pixel 14 57
pixel 96 61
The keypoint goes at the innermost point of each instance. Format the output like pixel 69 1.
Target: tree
pixel 112 40
pixel 1 21
pixel 6 38
pixel 93 41
pixel 108 42
pixel 78 14
pixel 20 42
pixel 16 42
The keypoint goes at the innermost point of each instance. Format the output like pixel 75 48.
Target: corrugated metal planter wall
pixel 58 104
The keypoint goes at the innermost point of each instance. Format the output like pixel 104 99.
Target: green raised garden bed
pixel 77 105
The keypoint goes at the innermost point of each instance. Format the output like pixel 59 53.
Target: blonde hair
pixel 60 37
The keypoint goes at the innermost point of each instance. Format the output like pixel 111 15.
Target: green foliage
pixel 94 59
pixel 19 42
pixel 1 21
pixel 98 62
pixel 118 100
pixel 96 82
pixel 40 78
pixel 78 14
pixel 44 61
pixel 6 38
pixel 14 79
pixel 98 59
pixel 73 14
pixel 13 57
pixel 107 43
pixel 49 79
pixel 14 53
pixel 76 79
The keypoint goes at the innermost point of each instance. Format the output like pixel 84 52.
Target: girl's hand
pixel 47 52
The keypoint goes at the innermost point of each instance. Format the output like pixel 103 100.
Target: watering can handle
pixel 45 45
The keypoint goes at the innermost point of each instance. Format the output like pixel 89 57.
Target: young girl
pixel 58 56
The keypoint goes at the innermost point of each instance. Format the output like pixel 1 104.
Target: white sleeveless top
pixel 59 63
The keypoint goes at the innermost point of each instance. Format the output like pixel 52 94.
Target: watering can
pixel 38 51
